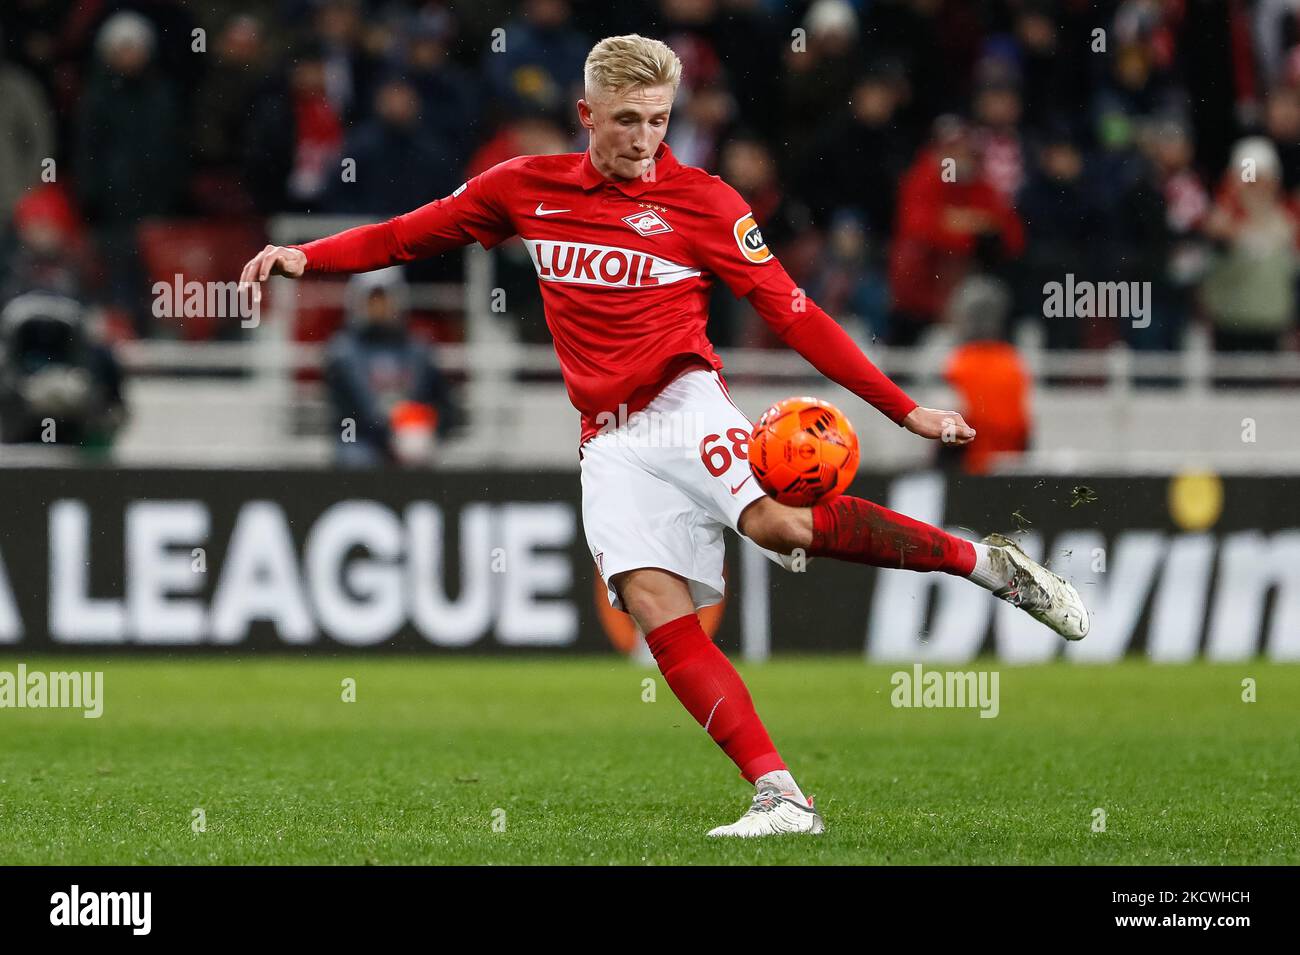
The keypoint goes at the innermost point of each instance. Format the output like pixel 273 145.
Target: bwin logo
pixel 103 908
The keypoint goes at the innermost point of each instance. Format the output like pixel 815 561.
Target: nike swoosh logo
pixel 711 712
pixel 740 485
pixel 539 211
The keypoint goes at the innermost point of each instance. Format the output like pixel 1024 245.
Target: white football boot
pixel 774 813
pixel 1045 596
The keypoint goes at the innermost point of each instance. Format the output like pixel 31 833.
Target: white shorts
pixel 658 489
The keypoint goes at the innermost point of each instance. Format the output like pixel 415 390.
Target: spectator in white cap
pixel 125 42
pixel 1249 293
pixel 130 154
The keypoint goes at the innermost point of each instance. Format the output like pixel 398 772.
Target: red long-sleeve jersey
pixel 625 270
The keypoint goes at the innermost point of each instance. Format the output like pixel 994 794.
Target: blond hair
pixel 619 63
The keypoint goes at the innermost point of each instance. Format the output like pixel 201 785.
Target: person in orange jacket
pixel 989 375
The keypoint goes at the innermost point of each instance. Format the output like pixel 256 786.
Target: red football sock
pixel 712 692
pixel 851 528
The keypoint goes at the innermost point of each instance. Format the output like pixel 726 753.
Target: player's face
pixel 626 128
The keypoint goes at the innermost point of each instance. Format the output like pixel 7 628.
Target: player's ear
pixel 584 113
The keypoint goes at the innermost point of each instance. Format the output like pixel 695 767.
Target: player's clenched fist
pixel 273 260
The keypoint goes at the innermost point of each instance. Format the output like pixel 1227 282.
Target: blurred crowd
pixel 894 151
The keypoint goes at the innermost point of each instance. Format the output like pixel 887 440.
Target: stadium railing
pixel 249 403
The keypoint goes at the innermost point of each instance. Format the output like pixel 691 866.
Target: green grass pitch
pixel 436 756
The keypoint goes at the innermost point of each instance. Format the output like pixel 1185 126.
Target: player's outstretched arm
pixel 429 230
pixel 820 339
pixel 474 212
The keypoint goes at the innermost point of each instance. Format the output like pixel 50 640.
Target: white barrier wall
pixel 242 423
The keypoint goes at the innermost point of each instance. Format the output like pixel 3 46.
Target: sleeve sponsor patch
pixel 459 189
pixel 750 239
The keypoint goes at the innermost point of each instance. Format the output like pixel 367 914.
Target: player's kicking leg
pixel 706 683
pixel 855 529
